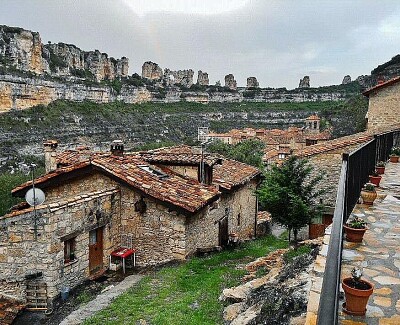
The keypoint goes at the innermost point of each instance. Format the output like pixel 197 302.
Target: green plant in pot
pixel 368 194
pixel 357 293
pixel 355 229
pixel 380 167
pixel 375 178
pixel 394 155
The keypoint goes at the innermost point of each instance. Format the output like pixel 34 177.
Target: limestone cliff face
pixel 305 82
pixel 252 82
pixel 230 81
pixel 179 77
pixel 23 50
pixel 21 93
pixel 202 78
pixel 152 71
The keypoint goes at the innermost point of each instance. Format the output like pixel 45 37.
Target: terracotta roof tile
pixel 233 173
pixel 381 85
pixel 335 144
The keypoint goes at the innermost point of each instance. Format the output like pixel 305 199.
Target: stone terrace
pixel 378 256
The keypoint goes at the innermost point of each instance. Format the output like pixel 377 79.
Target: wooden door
pixel 223 232
pixel 95 250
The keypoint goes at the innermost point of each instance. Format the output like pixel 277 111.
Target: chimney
pixel 50 155
pixel 117 148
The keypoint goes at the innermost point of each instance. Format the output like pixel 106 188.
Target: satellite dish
pixel 34 196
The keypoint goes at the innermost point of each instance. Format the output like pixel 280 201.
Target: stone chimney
pixel 50 155
pixel 117 148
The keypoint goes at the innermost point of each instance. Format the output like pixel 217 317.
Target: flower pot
pixel 354 235
pixel 380 170
pixel 375 179
pixel 356 298
pixel 368 197
pixel 394 159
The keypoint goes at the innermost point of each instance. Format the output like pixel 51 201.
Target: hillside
pixel 23 131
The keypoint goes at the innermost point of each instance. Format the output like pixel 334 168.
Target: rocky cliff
pixel 23 50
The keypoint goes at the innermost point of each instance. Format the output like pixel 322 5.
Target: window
pixel 281 156
pixel 69 250
pixel 238 219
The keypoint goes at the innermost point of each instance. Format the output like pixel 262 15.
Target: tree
pixel 290 193
pixel 249 151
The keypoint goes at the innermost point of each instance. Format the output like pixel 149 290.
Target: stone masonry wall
pixel 384 107
pixel 23 255
pixel 158 233
pixel 203 229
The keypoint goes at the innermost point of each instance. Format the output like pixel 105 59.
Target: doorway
pixel 95 250
pixel 223 235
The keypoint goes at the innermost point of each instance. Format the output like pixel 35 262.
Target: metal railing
pixel 356 167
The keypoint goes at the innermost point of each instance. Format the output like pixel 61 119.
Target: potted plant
pixel 357 293
pixel 368 194
pixel 380 167
pixel 355 229
pixel 375 178
pixel 394 155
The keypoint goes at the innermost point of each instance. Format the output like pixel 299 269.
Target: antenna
pixel 34 197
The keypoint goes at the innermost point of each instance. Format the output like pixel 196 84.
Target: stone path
pixel 379 254
pixel 100 302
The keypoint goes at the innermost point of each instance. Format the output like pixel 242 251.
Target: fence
pixel 356 167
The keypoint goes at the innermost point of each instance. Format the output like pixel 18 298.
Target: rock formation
pixel 152 71
pixel 202 78
pixel 230 81
pixel 23 50
pixel 305 82
pixel 252 82
pixel 180 77
pixel 346 80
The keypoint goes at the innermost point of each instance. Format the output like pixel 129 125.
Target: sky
pixel 277 41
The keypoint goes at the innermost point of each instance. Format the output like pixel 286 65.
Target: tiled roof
pixel 176 190
pixel 313 118
pixel 381 85
pixel 232 173
pixel 179 158
pixel 335 144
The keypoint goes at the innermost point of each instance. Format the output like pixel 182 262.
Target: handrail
pixel 354 173
pixel 328 304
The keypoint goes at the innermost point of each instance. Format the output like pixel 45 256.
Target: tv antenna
pixel 34 197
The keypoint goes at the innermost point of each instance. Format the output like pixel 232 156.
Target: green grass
pixel 291 254
pixel 188 293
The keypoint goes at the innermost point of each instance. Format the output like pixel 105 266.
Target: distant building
pixel 383 107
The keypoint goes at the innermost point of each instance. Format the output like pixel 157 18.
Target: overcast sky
pixel 276 41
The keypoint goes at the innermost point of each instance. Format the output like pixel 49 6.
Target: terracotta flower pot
pixel 380 170
pixel 368 197
pixel 356 299
pixel 354 235
pixel 394 159
pixel 375 179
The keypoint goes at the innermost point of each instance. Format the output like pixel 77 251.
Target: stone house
pixel 94 199
pixel 383 106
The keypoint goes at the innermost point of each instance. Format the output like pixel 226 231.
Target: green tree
pixel 290 193
pixel 249 152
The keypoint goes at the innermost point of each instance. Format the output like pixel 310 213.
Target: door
pixel 95 250
pixel 223 232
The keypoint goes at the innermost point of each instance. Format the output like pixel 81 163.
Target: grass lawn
pixel 187 293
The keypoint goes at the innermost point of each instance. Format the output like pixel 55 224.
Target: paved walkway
pixel 379 254
pixel 100 302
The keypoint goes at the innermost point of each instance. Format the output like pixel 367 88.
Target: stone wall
pixel 180 77
pixel 23 255
pixel 203 229
pixel 230 81
pixel 158 232
pixel 202 78
pixel 384 109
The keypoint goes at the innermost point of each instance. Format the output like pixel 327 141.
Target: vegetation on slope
pixel 188 293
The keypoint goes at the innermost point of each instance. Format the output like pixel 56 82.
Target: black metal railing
pixel 356 167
